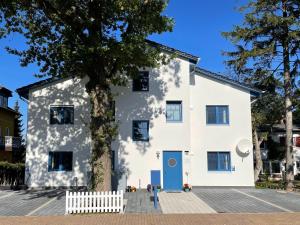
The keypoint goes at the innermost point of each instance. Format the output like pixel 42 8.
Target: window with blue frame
pixel 218 161
pixel 174 111
pixel 217 114
pixel 140 130
pixel 141 82
pixel 60 161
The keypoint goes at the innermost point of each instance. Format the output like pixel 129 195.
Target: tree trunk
pixel 258 160
pixel 289 168
pixel 102 134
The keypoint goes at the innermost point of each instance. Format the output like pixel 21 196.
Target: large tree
pixel 103 40
pixel 267 110
pixel 267 44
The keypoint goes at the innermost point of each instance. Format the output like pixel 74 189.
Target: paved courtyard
pixel 32 203
pixel 201 200
pixel 249 200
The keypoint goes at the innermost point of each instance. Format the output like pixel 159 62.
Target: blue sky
pixel 197 30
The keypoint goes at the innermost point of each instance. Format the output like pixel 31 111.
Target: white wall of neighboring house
pixel 43 137
pixel 134 160
pixel 277 167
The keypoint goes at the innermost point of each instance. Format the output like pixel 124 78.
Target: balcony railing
pixel 9 143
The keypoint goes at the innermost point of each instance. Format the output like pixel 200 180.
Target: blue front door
pixel 172 167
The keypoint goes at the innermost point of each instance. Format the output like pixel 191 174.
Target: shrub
pixel 12 174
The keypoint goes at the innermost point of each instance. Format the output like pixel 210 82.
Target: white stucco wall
pixel 43 137
pixel 134 160
pixel 204 138
pixel 137 159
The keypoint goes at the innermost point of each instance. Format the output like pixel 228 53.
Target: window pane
pixel 217 115
pixel 211 114
pixel 224 161
pixel 62 115
pixel 140 130
pixel 60 161
pixel 174 111
pixel 212 158
pixel 222 114
pixel 142 82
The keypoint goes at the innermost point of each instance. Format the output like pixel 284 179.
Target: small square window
pixel 140 130
pixel 174 111
pixel 60 161
pixel 218 161
pixel 141 83
pixel 217 114
pixel 62 115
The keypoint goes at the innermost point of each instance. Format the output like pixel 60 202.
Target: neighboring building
pixel 179 119
pixel 8 143
pixel 276 167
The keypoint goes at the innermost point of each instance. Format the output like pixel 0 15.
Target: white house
pixel 184 121
pixel 276 167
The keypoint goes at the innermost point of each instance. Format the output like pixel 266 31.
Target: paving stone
pixel 290 201
pixel 226 200
pixel 140 201
pixel 183 202
pixel 21 203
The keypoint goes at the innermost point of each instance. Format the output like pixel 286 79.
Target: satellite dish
pixel 244 147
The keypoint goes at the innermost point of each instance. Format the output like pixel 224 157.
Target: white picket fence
pixel 94 202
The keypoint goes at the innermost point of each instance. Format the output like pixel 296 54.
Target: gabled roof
pixel 24 91
pixel 5 91
pixel 220 77
pixel 192 58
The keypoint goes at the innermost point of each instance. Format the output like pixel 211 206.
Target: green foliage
pixel 259 40
pixel 103 40
pixel 12 174
pixel 100 38
pixel 275 150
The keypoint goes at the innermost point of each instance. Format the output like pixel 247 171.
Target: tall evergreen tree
pixel 267 44
pixel 103 40
pixel 19 154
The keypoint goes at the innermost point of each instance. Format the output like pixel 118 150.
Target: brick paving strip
pixel 156 219
pixel 182 202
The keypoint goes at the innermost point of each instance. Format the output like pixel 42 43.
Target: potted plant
pixel 187 187
pixel 158 188
pixel 133 189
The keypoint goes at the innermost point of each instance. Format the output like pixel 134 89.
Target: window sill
pixel 217 124
pixel 180 121
pixel 140 140
pixel 60 171
pixel 220 171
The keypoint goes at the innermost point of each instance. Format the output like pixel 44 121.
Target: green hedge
pixel 12 174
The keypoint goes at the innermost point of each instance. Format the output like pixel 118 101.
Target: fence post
pixel 67 202
pixel 121 202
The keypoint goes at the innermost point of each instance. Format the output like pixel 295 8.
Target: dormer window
pixel 3 101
